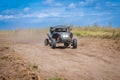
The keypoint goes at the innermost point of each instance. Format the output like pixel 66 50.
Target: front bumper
pixel 64 41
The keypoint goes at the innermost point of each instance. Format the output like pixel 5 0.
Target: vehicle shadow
pixel 61 47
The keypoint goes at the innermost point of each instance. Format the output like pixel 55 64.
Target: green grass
pixel 33 66
pixel 82 31
pixel 102 32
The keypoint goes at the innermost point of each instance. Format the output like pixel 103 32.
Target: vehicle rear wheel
pixel 46 42
pixel 74 43
pixel 53 44
pixel 66 44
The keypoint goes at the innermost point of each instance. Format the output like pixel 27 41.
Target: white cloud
pixel 26 9
pixel 110 4
pixel 89 1
pixel 44 15
pixel 82 3
pixel 48 1
pixel 47 13
pixel 52 3
pixel 25 15
pixel 6 17
pixel 39 15
pixel 30 15
pixel 58 4
pixel 99 13
pixel 86 2
pixel 72 5
pixel 8 11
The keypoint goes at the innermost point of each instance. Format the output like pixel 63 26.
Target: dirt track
pixel 94 59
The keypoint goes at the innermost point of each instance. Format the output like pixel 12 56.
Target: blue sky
pixel 40 13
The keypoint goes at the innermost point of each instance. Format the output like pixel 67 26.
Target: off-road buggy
pixel 60 34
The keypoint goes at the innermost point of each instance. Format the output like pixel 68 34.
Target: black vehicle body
pixel 60 34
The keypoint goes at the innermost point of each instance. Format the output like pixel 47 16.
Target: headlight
pixel 65 35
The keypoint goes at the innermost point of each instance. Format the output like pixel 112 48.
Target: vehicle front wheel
pixel 53 44
pixel 46 42
pixel 74 43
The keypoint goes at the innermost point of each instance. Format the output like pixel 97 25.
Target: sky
pixel 16 14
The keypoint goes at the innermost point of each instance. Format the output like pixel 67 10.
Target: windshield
pixel 61 30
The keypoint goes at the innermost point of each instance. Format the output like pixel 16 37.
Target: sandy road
pixel 94 59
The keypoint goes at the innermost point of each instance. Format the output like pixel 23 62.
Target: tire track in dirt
pixel 90 61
